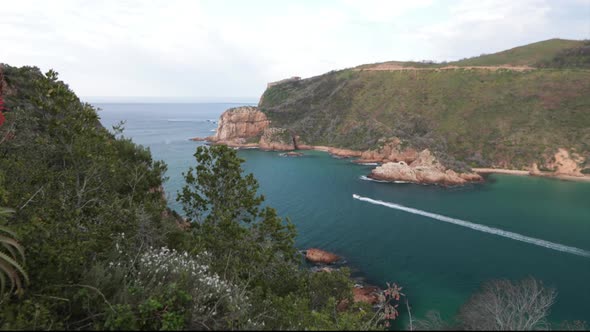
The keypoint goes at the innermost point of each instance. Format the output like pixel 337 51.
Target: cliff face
pixel 240 123
pixel 246 126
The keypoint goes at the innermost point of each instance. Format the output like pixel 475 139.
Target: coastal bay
pixel 439 264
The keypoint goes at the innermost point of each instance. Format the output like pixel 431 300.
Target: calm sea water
pixel 439 264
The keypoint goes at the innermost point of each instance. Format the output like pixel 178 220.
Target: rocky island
pixel 434 123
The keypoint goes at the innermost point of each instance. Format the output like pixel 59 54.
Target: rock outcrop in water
pixel 403 172
pixel 411 166
pixel 315 255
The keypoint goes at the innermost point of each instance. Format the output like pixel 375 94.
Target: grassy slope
pixel 528 55
pixel 479 117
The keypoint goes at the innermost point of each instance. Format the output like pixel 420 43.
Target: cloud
pixel 383 10
pixel 487 26
pixel 233 48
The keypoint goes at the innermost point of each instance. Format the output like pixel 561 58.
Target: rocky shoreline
pixel 566 177
pixel 324 262
pixel 247 127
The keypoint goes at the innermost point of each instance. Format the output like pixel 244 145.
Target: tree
pixel 227 218
pixel 504 305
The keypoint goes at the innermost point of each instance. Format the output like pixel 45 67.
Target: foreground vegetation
pixel 102 251
pixel 467 117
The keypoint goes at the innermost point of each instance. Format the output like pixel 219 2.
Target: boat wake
pixel 481 228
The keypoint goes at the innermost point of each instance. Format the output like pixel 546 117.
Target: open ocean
pixel 438 243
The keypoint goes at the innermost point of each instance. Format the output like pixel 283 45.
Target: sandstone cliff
pixel 240 124
pixel 246 126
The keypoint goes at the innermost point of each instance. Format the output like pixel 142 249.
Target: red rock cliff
pixel 236 125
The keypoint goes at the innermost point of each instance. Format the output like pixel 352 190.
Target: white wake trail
pixel 481 228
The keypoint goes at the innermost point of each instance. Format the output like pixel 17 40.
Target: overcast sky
pixel 219 49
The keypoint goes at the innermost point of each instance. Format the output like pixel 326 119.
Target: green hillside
pixel 552 53
pixel 542 54
pixel 469 117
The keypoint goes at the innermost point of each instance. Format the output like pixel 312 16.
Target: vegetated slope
pixel 75 189
pixel 475 117
pixel 552 53
pixel 103 252
pixel 540 54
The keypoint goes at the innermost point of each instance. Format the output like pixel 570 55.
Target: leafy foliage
pixel 103 250
pixel 10 254
pixel 227 218
pixel 73 186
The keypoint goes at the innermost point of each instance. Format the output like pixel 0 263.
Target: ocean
pixel 438 243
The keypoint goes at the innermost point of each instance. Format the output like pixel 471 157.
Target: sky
pixel 228 50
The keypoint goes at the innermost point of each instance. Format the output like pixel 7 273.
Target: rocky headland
pixel 248 127
pixel 431 123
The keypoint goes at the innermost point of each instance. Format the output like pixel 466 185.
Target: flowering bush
pixel 178 290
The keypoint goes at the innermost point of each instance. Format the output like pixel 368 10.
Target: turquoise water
pixel 439 264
